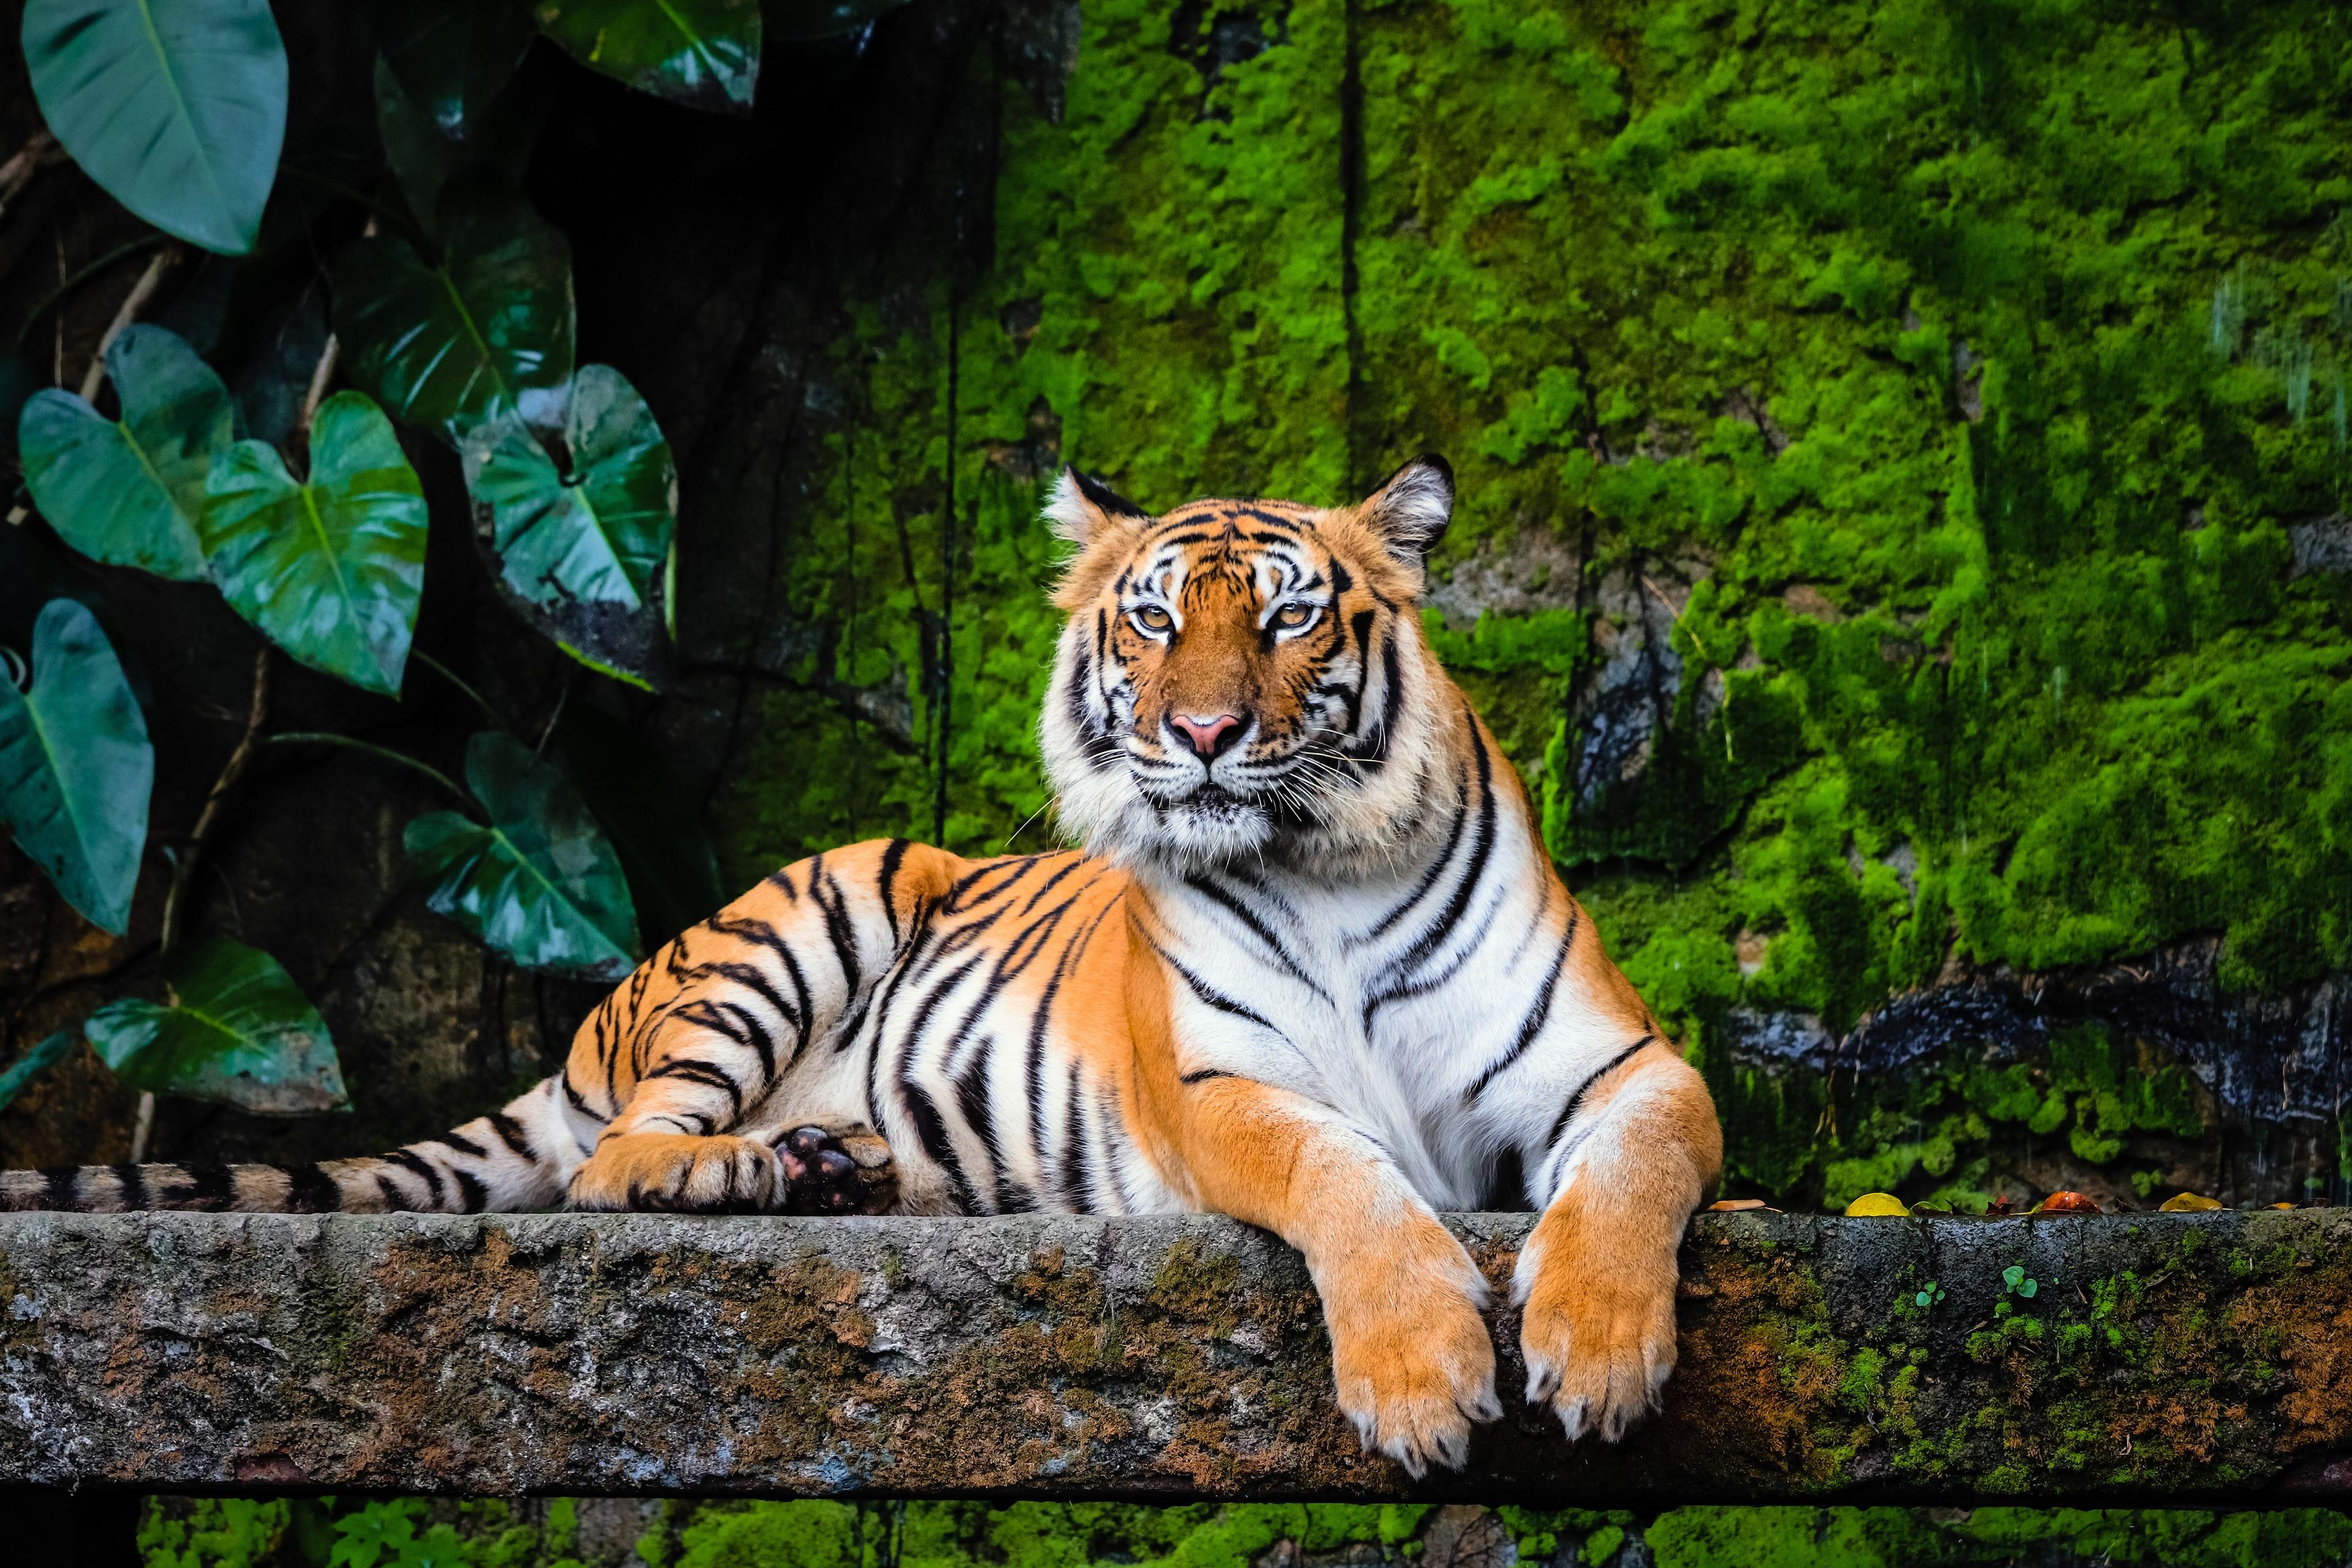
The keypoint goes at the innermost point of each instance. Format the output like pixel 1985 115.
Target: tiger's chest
pixel 1388 1002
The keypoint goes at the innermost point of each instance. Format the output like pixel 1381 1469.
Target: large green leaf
pixel 424 161
pixel 586 553
pixel 702 53
pixel 76 767
pixel 452 56
pixel 487 332
pixel 176 107
pixel 129 493
pixel 540 883
pixel 330 571
pixel 238 1032
pixel 620 770
pixel 800 20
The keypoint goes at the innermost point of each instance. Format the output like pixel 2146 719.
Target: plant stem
pixel 451 676
pixel 56 295
pixel 132 303
pixel 322 737
pixel 184 869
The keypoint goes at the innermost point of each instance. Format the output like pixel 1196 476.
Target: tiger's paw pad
pixel 837 1170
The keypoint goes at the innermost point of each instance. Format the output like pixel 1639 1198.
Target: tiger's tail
pixel 518 1158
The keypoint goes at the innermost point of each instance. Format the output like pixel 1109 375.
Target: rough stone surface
pixel 2170 1357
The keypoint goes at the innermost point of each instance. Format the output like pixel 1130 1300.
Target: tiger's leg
pixel 707 1029
pixel 1409 1353
pixel 1616 1179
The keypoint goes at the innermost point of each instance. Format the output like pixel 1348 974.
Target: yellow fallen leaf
pixel 2186 1203
pixel 1877 1205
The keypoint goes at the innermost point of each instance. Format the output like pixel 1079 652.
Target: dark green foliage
pixel 540 881
pixel 129 492
pixel 176 107
pixel 702 53
pixel 237 1030
pixel 584 548
pixel 486 331
pixel 76 767
pixel 451 56
pixel 330 569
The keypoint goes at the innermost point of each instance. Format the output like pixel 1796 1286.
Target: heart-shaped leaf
pixel 540 883
pixel 129 493
pixel 330 571
pixel 177 108
pixel 238 1032
pixel 76 768
pixel 452 56
pixel 585 555
pixel 704 54
pixel 798 21
pixel 487 332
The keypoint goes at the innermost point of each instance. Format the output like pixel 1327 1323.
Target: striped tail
pixel 516 1159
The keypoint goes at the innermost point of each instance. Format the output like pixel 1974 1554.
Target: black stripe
pixel 464 1145
pixel 1210 993
pixel 1202 1075
pixel 695 1071
pixel 473 1196
pixel 407 1160
pixel 931 1129
pixel 209 1186
pixel 134 1182
pixel 309 1190
pixel 1074 1129
pixel 886 882
pixel 1202 883
pixel 512 1134
pixel 837 928
pixel 1437 868
pixel 1576 1100
pixel 1536 1014
pixel 1050 882
pixel 58 1187
pixel 1432 935
pixel 394 1200
pixel 971 1099
pixel 760 933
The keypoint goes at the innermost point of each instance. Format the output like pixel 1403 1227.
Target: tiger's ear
pixel 1408 513
pixel 1082 506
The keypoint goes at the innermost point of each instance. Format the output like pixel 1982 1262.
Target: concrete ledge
pixel 2174 1358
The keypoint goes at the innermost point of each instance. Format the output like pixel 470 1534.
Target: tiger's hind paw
pixel 837 1170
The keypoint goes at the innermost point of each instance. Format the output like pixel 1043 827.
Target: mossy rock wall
pixel 1902 453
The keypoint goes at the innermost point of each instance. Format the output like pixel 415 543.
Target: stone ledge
pixel 2173 1358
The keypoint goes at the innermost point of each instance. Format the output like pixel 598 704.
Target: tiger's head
pixel 1248 678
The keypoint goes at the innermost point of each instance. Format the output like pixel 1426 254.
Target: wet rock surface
pixel 2174 1358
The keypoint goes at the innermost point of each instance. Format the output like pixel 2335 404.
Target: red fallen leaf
pixel 1735 1206
pixel 2066 1203
pixel 1998 1205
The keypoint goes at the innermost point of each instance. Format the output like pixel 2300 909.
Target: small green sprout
pixel 1929 1296
pixel 2013 1277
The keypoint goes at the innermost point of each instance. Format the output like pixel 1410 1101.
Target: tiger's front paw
pixel 1411 1354
pixel 679 1173
pixel 1599 1330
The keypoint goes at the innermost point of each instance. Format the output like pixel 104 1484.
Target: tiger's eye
pixel 1290 617
pixel 1152 618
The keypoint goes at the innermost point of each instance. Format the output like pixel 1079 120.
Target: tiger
pixel 1312 968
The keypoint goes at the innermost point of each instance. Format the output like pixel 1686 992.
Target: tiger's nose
pixel 1210 736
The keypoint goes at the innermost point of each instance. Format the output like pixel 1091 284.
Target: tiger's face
pixel 1245 678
